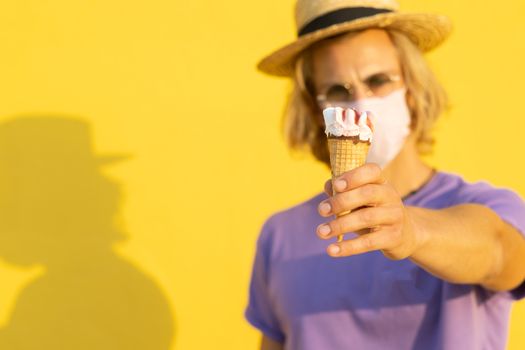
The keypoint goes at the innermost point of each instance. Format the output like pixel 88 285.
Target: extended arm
pixel 462 244
pixel 469 244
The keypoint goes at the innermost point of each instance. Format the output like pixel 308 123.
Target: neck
pixel 407 172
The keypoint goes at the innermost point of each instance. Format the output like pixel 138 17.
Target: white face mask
pixel 391 120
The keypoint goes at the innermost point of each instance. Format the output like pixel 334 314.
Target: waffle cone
pixel 346 155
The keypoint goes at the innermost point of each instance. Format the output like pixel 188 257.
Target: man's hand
pixel 377 215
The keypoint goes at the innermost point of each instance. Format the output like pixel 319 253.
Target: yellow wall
pixel 171 84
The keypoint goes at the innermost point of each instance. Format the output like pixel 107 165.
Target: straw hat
pixel 319 19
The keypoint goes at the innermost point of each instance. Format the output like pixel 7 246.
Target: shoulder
pixel 505 202
pixel 477 192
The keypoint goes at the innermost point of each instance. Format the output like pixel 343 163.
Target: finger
pixel 365 174
pixel 367 195
pixel 363 244
pixel 366 230
pixel 328 188
pixel 366 218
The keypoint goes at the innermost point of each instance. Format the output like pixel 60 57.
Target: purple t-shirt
pixel 307 300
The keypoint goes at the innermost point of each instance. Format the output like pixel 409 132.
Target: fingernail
pixel 340 185
pixel 324 230
pixel 334 249
pixel 325 208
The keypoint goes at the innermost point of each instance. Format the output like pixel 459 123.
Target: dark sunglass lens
pixel 338 93
pixel 378 80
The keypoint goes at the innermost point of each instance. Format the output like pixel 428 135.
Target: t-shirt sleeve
pixel 507 204
pixel 260 312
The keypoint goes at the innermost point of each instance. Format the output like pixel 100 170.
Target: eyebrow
pixel 388 72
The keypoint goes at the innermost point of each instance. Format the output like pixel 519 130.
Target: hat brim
pixel 426 31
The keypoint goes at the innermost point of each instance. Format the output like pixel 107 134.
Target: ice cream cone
pixel 349 136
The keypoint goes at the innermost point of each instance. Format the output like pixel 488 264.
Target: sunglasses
pixel 378 85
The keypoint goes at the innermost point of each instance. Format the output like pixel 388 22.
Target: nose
pixel 361 91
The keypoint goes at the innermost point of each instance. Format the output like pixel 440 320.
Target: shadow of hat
pixel 54 198
pixel 51 140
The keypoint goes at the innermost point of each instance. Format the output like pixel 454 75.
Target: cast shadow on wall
pixel 58 210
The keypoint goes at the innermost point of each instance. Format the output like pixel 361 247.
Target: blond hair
pixel 427 99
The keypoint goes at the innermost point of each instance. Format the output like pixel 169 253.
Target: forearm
pixel 468 244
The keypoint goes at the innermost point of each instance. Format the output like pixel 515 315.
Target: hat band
pixel 340 16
